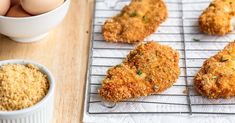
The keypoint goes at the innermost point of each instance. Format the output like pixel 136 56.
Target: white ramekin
pixel 34 28
pixel 42 112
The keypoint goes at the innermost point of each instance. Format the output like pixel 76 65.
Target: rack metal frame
pixel 186 76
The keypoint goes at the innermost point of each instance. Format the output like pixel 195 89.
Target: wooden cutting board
pixel 65 53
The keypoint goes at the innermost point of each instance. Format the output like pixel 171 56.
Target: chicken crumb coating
pixel 136 21
pixel 216 78
pixel 149 69
pixel 218 18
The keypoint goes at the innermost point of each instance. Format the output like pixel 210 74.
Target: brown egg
pixel 14 2
pixel 36 7
pixel 17 11
pixel 4 6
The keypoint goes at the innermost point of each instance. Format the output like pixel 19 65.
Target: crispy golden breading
pixel 135 22
pixel 218 18
pixel 216 79
pixel 149 69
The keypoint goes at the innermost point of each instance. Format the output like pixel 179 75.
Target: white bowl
pixel 34 28
pixel 42 112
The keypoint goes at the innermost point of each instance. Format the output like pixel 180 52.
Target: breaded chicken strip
pixel 149 69
pixel 135 22
pixel 216 79
pixel 218 18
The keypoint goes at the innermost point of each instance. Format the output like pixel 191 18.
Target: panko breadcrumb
pixel 149 69
pixel 216 78
pixel 136 21
pixel 218 18
pixel 21 86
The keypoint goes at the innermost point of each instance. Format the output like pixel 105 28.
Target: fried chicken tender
pixel 135 22
pixel 216 78
pixel 218 18
pixel 149 69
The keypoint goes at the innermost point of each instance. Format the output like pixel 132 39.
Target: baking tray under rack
pixel 180 31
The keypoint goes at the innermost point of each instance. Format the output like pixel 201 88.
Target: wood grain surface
pixel 65 53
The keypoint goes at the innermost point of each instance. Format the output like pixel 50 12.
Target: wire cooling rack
pixel 180 31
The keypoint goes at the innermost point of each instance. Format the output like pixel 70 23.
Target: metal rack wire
pixel 179 31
